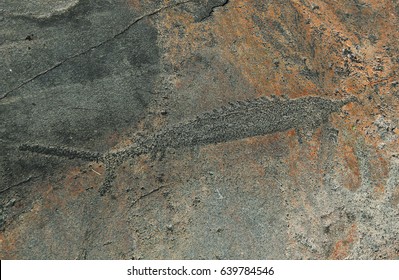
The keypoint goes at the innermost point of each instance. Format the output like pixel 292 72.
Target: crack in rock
pixel 120 33
pixel 211 9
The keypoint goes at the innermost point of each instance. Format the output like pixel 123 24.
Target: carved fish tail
pixel 112 161
pixel 110 175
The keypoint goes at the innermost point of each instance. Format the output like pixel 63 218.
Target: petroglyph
pixel 239 120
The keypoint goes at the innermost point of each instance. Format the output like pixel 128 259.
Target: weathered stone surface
pixel 259 182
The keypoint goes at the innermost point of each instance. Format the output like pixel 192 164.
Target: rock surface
pixel 99 75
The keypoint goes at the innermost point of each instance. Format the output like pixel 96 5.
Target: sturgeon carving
pixel 235 121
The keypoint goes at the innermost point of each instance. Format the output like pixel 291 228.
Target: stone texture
pixel 100 75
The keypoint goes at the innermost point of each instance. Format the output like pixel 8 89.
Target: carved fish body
pixel 237 121
pixel 254 118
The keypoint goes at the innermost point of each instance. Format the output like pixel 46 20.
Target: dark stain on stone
pixel 82 113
